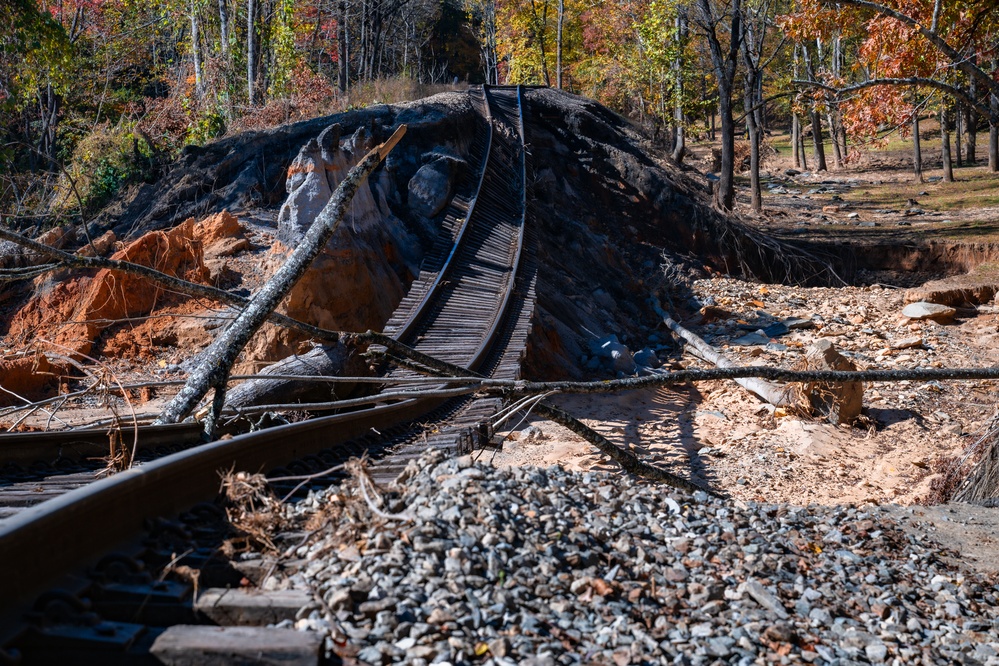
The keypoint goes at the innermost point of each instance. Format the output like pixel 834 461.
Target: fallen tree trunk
pixel 218 359
pixel 329 361
pixel 776 395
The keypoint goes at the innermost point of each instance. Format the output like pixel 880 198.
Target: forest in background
pixel 98 94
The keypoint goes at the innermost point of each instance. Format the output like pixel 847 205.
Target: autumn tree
pixel 907 47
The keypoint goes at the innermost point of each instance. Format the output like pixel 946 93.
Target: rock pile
pixel 545 566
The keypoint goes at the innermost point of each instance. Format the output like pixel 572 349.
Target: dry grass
pixel 975 188
pixel 339 520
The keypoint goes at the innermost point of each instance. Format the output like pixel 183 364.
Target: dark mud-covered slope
pixel 609 208
pixel 247 171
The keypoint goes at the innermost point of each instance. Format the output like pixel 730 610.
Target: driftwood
pixel 778 396
pixel 213 371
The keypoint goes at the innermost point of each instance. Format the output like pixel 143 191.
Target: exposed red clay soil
pixel 31 377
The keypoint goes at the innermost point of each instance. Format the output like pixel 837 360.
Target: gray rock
pixel 615 355
pixel 924 310
pixel 876 653
pixel 763 597
pixel 432 185
pixel 647 357
pixel 758 337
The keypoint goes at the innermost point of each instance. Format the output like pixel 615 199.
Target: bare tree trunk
pixel 971 126
pixel 251 63
pixel 754 160
pixel 837 155
pixel 49 104
pixel 772 393
pixel 558 44
pixel 948 168
pixel 341 47
pixel 820 151
pixel 795 130
pixel 917 153
pixel 680 139
pixel 725 61
pixel 994 134
pixel 328 360
pixel 750 83
pixel 959 133
pixel 199 79
pixel 801 146
pixel 541 23
pixel 218 359
pixel 224 30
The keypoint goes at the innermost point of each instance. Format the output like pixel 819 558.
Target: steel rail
pixel 41 543
pixel 30 447
pixel 415 315
pixel 493 332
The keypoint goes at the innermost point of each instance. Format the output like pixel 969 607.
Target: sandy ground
pixel 727 439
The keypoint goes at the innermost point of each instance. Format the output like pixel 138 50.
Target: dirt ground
pixel 729 439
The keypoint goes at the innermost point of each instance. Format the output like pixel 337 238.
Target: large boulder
pixel 432 185
pixel 314 175
pixel 838 402
pixel 924 310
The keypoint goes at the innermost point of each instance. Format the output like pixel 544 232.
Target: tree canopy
pixel 95 94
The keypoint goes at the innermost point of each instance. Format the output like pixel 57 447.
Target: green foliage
pixel 35 53
pixel 205 125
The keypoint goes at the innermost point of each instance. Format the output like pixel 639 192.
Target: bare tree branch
pixel 908 82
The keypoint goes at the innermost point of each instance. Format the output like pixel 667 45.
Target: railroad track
pixel 471 305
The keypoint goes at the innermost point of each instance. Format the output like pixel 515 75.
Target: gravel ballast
pixel 545 566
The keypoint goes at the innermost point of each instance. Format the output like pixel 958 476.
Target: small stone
pixel 764 598
pixel 914 342
pixel 876 653
pixel 372 608
pixel 439 616
pixel 820 617
pixel 499 647
pixel 405 643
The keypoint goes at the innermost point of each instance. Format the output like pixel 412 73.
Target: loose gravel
pixel 545 566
